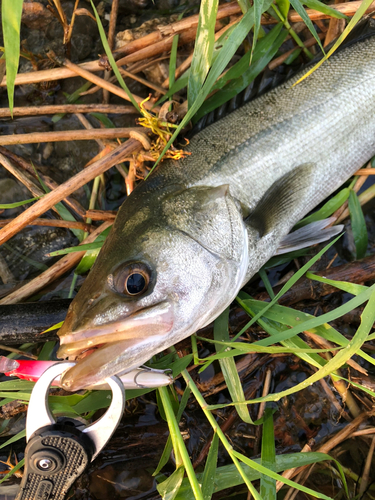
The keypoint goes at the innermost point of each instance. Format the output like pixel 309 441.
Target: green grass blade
pixel 284 6
pixel 367 320
pixel 228 366
pixel 358 223
pixel 327 209
pixel 17 467
pixel 268 457
pixel 229 47
pixel 346 286
pixel 302 12
pixel 168 447
pixel 326 9
pixel 178 442
pixel 168 489
pixel 281 315
pixel 324 318
pixel 173 57
pixel 13 439
pixel 210 469
pixel 288 285
pixel 203 49
pixel 241 74
pixel 264 277
pixel 275 476
pixel 11 12
pixel 354 20
pixel 111 59
pixel 17 203
pixel 229 477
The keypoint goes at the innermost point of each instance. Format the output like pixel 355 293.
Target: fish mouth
pixel 102 350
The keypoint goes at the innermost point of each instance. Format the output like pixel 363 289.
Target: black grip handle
pixel 55 457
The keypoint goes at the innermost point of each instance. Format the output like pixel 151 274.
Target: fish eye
pixel 135 283
pixel 133 279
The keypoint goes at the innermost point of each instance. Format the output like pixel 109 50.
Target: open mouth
pixel 105 350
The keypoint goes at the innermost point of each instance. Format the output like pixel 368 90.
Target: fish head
pixel 167 268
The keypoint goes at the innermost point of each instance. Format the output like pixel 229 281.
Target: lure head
pixel 167 269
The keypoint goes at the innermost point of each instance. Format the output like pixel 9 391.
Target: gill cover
pixel 194 245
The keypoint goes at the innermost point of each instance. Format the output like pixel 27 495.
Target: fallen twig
pixel 55 223
pixel 68 187
pixel 156 37
pixel 50 183
pixel 115 109
pixel 56 270
pixel 69 135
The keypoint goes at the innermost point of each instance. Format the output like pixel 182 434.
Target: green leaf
pixel 284 6
pixel 367 320
pixel 288 285
pixel 168 489
pixel 348 287
pixel 228 366
pixel 210 469
pixel 228 476
pixel 358 223
pixel 324 318
pixel 203 49
pixel 274 475
pixel 239 76
pixel 326 9
pixel 268 457
pixel 17 203
pixel 111 59
pixel 11 13
pixel 13 439
pixel 301 11
pixel 228 49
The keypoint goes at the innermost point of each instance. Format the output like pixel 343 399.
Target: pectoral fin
pixel 279 201
pixel 313 233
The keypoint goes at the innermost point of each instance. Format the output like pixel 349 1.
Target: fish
pixel 191 236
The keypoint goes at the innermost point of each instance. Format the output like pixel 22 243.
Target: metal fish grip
pixel 57 453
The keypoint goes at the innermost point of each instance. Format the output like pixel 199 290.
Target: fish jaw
pixel 108 344
pixel 194 248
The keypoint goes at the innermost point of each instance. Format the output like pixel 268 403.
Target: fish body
pixel 190 236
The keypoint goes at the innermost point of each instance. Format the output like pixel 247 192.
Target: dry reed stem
pixel 335 28
pixel 55 223
pixel 266 390
pixel 68 187
pixel 138 46
pixel 84 121
pixel 55 271
pixel 21 176
pixel 68 135
pixel 50 183
pixel 365 171
pixel 366 471
pixel 105 85
pixel 333 400
pixel 67 108
pixel 145 82
pixel 101 214
pixel 110 39
pixel 364 432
